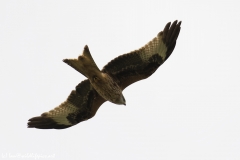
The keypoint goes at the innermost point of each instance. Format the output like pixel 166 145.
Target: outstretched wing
pixel 81 104
pixel 140 64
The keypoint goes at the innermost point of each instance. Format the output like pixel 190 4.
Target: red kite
pixel 107 84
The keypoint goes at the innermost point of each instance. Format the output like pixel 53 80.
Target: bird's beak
pixel 124 101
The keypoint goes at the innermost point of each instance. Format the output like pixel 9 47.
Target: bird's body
pixel 103 83
pixel 108 89
pixel 107 84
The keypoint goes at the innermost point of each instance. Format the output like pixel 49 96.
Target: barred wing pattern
pixel 80 105
pixel 140 64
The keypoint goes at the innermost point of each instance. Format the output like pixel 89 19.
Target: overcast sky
pixel 188 109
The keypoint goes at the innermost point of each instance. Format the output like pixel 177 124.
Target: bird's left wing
pixel 140 64
pixel 81 104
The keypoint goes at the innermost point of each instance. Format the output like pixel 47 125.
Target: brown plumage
pixel 104 84
pixel 107 84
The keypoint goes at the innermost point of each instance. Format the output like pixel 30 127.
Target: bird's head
pixel 121 100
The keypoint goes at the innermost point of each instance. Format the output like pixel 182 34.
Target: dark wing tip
pixel 171 32
pixel 45 123
pixel 170 35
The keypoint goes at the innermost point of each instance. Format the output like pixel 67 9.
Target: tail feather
pixel 84 64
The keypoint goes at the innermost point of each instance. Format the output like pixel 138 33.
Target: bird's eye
pixel 95 78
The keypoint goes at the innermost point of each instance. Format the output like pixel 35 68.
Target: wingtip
pixel 176 22
pixel 179 23
pixel 28 126
pixel 45 123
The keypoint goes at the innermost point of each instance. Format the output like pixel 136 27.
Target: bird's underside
pixel 107 84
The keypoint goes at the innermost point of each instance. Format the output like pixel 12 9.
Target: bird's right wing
pixel 142 63
pixel 81 104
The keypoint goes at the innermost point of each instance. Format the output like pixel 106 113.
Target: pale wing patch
pixel 156 46
pixel 60 113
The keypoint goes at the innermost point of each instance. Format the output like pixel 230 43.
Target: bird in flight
pixel 107 84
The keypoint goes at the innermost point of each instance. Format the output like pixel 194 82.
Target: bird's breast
pixel 106 87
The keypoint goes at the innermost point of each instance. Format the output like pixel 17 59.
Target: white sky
pixel 188 110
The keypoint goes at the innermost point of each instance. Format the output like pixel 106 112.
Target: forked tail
pixel 84 64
